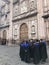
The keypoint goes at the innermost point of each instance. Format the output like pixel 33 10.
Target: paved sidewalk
pixel 9 55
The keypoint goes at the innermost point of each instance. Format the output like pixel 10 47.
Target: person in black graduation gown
pixel 31 47
pixel 43 50
pixel 36 52
pixel 26 52
pixel 22 51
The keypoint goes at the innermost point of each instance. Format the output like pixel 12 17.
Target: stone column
pixel 10 27
pixel 41 32
pixel 48 5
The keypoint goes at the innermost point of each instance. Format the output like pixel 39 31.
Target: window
pixel 3 20
pixel 15 32
pixel 33 29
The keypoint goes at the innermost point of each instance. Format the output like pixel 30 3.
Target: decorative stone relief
pixel 23 7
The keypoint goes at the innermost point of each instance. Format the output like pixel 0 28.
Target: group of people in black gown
pixel 33 51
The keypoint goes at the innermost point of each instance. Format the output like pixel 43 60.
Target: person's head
pixel 41 39
pixel 37 40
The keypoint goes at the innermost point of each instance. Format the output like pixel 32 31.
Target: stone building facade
pixel 6 21
pixel 26 19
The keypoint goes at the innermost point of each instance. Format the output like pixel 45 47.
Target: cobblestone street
pixel 9 55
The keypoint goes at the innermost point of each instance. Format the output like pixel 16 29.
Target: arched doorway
pixel 23 31
pixel 4 37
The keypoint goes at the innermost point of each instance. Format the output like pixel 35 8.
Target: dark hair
pixel 41 39
pixel 37 40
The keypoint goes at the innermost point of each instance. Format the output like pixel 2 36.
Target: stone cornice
pixel 25 15
pixel 5 26
pixel 46 15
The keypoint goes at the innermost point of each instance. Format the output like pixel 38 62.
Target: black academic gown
pixel 26 52
pixel 21 51
pixel 43 51
pixel 36 53
pixel 31 47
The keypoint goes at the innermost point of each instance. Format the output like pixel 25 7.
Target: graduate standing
pixel 31 47
pixel 22 51
pixel 43 51
pixel 26 52
pixel 36 52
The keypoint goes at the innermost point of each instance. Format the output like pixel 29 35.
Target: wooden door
pixel 23 31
